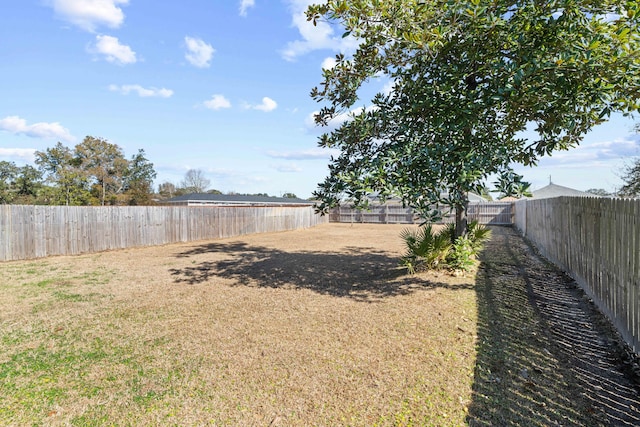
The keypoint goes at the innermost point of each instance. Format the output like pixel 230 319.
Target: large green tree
pixel 69 185
pixel 19 184
pixel 95 172
pixel 8 177
pixel 469 77
pixel 105 164
pixel 28 185
pixel 138 180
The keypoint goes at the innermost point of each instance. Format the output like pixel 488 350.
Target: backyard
pixel 310 327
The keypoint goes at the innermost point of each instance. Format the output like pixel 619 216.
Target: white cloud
pixel 267 105
pixel 113 51
pixel 24 154
pixel 335 122
pixel 90 14
pixel 18 126
pixel 592 164
pixel 244 5
pixel 623 147
pixel 287 168
pixel 388 87
pixel 141 91
pixel 329 63
pixel 217 102
pixel 314 37
pixel 311 154
pixel 596 153
pixel 199 52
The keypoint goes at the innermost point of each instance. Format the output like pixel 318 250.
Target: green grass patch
pixel 99 276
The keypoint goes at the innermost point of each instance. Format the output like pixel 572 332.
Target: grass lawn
pixel 316 327
pixel 312 327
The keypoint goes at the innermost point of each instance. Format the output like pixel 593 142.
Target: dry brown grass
pixel 312 327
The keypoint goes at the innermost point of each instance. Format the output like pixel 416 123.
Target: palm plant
pixel 431 250
pixel 478 234
pixel 425 248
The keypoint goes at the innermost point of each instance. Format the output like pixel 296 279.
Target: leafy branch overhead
pixel 468 78
pixel 510 184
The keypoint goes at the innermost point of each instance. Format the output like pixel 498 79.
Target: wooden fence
pixel 38 231
pixel 494 213
pixel 597 242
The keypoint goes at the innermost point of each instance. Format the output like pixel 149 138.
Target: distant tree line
pixel 94 172
pixel 195 182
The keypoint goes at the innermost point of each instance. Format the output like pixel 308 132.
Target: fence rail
pixel 494 213
pixel 597 242
pixel 38 231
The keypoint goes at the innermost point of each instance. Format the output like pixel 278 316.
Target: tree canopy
pixel 69 185
pixel 631 178
pixel 94 172
pixel 18 184
pixel 105 165
pixel 469 77
pixel 510 184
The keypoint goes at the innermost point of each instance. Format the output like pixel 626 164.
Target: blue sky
pixel 221 86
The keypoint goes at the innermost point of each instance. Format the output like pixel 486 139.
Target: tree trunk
pixel 461 218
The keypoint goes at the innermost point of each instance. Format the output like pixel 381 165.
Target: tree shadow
pixel 363 274
pixel 545 356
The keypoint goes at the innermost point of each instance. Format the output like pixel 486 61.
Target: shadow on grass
pixel 363 274
pixel 545 355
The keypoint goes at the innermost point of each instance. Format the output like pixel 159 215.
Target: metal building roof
pixel 554 190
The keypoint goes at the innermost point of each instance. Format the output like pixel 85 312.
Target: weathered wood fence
pixel 494 213
pixel 39 231
pixel 597 242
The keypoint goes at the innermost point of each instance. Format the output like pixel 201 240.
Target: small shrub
pixel 426 249
pixel 429 250
pixel 478 234
pixel 462 256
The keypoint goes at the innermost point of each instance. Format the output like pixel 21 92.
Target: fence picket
pixel 494 213
pixel 38 231
pixel 597 242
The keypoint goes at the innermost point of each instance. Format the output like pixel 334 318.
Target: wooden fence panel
pixel 38 231
pixel 494 213
pixel 597 242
